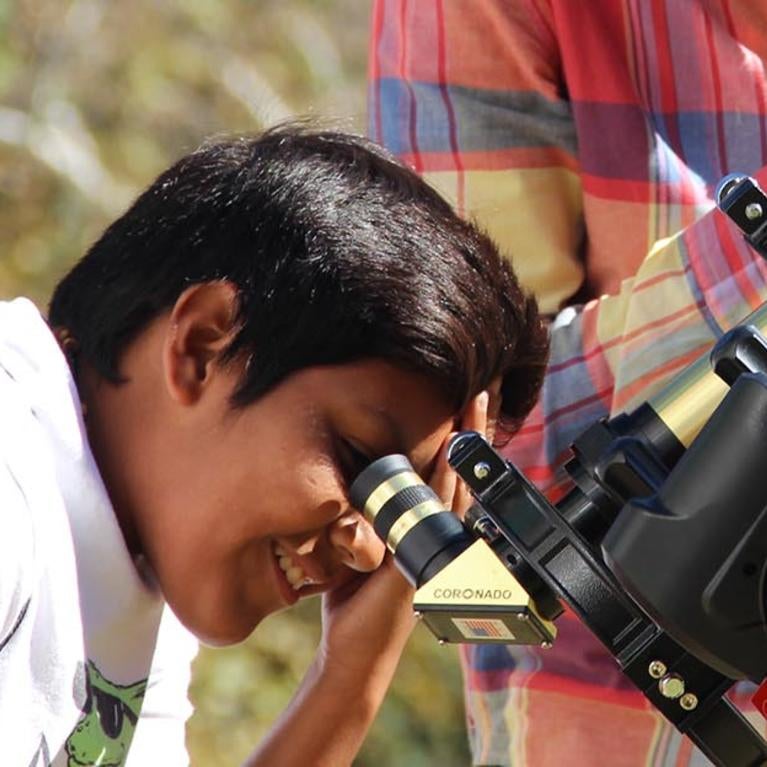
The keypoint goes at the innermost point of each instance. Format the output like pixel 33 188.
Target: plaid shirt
pixel 587 137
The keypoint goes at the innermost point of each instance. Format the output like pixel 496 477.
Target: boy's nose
pixel 354 539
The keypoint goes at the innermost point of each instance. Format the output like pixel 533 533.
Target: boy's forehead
pixel 396 400
pixel 380 380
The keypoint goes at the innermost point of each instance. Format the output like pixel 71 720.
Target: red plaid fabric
pixel 587 136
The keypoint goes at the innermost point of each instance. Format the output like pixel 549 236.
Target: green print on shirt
pixel 102 737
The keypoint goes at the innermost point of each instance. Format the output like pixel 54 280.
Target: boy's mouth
pixel 294 573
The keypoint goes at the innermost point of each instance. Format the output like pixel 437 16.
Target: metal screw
pixel 442 641
pixel 481 469
pixel 418 615
pixel 521 616
pixel 753 211
pixel 486 528
pixel 688 701
pixel 656 669
pixel 545 644
pixel 671 686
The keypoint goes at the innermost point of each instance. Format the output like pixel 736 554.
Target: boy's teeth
pixel 294 573
pixel 295 576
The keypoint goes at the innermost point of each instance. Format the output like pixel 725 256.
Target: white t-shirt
pixel 94 668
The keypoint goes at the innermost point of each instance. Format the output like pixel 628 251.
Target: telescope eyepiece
pixel 409 517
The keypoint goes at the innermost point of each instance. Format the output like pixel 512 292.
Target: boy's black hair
pixel 337 252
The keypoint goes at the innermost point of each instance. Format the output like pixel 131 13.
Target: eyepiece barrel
pixel 409 517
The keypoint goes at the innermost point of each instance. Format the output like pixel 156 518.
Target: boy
pixel 268 317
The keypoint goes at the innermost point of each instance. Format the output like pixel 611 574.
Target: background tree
pixel 96 98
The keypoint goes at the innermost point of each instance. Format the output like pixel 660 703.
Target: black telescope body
pixel 660 547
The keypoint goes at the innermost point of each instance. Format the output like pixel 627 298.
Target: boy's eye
pixel 352 458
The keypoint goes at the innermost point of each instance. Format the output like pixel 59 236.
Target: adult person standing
pixel 587 139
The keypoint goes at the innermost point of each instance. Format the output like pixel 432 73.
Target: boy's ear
pixel 201 326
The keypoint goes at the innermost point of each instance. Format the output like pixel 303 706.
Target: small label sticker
pixel 483 628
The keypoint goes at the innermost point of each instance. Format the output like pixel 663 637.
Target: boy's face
pixel 251 513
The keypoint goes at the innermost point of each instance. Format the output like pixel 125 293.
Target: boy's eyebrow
pixel 392 427
pixel 395 441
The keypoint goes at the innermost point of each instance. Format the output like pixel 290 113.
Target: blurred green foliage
pixel 239 691
pixel 96 98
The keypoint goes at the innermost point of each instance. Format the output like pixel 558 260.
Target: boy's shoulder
pixel 31 515
pixel 17 548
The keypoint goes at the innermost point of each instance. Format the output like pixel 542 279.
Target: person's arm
pixel 366 625
pixel 328 717
pixel 470 93
pixel 611 355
